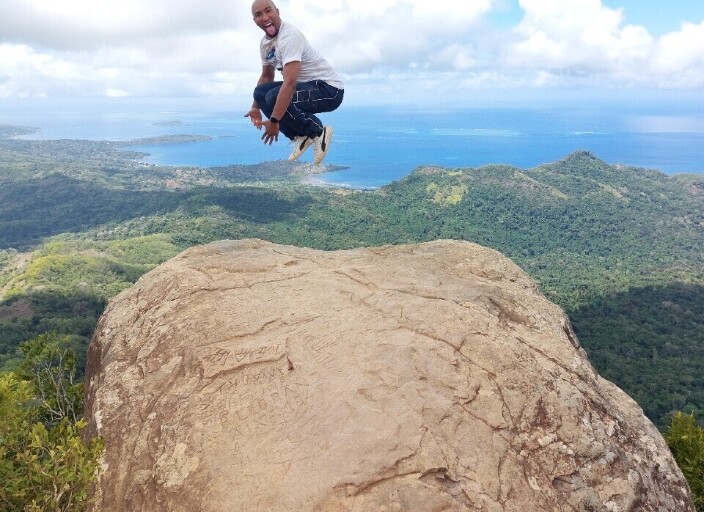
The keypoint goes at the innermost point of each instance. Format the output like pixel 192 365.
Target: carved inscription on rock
pixel 225 357
pixel 263 395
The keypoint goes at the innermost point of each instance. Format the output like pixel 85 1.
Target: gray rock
pixel 248 376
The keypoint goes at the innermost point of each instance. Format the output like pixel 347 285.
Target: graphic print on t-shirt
pixel 271 56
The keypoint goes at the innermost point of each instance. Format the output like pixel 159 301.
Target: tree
pixel 49 362
pixel 44 463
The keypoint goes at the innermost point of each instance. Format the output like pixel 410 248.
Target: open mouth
pixel 270 29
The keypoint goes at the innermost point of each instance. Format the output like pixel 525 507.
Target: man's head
pixel 266 16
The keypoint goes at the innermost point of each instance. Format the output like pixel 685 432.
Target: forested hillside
pixel 620 249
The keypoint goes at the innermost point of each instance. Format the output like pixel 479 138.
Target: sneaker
pixel 300 144
pixel 322 144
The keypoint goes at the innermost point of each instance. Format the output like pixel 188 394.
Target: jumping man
pixel 310 85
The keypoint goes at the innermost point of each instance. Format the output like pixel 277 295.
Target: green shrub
pixel 686 441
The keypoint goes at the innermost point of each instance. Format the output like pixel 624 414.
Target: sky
pixel 385 50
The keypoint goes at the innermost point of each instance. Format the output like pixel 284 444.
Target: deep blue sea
pixel 377 145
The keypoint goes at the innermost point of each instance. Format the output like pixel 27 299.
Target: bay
pixel 377 145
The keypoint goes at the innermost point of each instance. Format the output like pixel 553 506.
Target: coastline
pixel 378 146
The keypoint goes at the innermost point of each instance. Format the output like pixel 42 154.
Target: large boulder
pixel 248 376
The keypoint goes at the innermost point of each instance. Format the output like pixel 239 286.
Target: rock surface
pixel 248 376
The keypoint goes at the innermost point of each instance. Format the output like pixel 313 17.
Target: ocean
pixel 373 146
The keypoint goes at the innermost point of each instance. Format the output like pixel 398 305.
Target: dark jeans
pixel 309 99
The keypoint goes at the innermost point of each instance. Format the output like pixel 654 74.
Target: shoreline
pixel 381 155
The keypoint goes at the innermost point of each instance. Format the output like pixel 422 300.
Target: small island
pixel 9 132
pixel 167 139
pixel 169 123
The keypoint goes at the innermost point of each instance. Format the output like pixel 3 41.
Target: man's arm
pixel 283 100
pixel 255 113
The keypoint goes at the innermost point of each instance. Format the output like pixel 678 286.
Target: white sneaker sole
pixel 322 150
pixel 303 146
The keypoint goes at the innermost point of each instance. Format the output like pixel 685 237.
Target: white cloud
pixel 83 24
pixel 116 93
pixel 679 58
pixel 79 47
pixel 183 47
pixel 389 34
pixel 22 69
pixel 457 57
pixel 577 36
pixel 583 42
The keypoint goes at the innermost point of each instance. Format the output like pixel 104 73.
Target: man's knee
pixel 262 91
pixel 271 95
pixel 259 95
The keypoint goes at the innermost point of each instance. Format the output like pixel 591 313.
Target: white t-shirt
pixel 290 45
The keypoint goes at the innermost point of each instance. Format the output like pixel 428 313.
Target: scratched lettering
pixel 226 357
pixel 255 399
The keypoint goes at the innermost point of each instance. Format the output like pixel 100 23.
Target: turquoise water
pixel 379 145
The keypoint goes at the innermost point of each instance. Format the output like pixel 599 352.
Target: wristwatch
pixel 274 120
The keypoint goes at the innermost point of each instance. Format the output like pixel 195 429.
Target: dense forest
pixel 621 249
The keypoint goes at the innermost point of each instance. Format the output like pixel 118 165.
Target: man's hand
pixel 271 132
pixel 255 115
